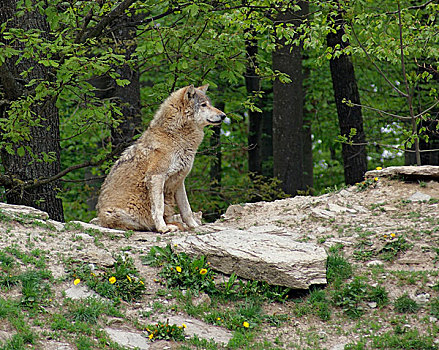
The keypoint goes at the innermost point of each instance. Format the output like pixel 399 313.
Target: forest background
pixel 316 93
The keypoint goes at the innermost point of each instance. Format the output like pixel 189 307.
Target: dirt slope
pixel 391 240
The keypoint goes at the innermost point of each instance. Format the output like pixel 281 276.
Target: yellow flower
pixel 376 179
pixel 112 279
pixel 392 235
pixel 218 319
pixel 129 278
pixel 93 274
pixel 246 324
pixel 178 268
pixel 141 282
pixel 76 281
pixel 385 236
pixel 203 271
pixel 379 168
pixel 151 336
pixel 183 325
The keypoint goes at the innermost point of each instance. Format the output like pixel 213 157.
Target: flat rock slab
pixel 423 172
pixel 200 329
pixel 274 258
pixel 129 340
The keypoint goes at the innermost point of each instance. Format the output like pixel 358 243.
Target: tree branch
pixel 9 181
pixel 105 21
pixel 375 65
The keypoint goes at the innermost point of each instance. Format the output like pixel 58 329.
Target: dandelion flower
pixel 151 336
pixel 379 168
pixel 183 325
pixel 76 281
pixel 112 280
pixel 246 324
pixel 392 235
pixel 141 282
pixel 129 278
pixel 376 179
pixel 178 268
pixel 218 319
pixel 203 271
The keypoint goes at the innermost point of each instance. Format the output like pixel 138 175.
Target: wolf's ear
pixel 190 93
pixel 203 88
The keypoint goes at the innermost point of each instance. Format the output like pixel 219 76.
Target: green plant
pixel 393 247
pixel 179 270
pixel 362 186
pixel 352 296
pixel 338 268
pixel 405 304
pixel 122 281
pixel 319 304
pixel 163 330
pixel 89 310
pixel 434 307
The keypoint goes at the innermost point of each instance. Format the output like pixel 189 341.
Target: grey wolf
pixel 145 183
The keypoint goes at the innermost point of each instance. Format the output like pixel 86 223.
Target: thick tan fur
pixel 146 182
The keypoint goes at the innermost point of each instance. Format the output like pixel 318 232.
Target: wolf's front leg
pixel 184 206
pixel 155 184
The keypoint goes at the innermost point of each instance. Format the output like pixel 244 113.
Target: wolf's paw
pixel 168 228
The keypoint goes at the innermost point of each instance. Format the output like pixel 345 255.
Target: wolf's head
pixel 203 111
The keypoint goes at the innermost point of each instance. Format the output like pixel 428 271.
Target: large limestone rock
pixel 16 211
pixel 272 257
pixel 412 171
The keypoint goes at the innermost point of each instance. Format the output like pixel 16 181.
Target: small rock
pixel 203 298
pixel 322 213
pixel 59 226
pixel 375 263
pixel 80 292
pixel 130 340
pixel 372 304
pixel 345 193
pixel 432 319
pixel 422 298
pixel 389 208
pixel 419 197
pixel 339 209
pixel 339 346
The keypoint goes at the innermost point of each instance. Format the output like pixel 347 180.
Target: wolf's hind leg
pixel 120 218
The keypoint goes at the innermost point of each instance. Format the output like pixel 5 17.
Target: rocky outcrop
pixel 421 172
pixel 275 258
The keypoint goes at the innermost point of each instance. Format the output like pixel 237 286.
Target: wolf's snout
pixel 222 116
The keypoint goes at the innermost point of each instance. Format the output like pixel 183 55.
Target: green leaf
pixel 21 151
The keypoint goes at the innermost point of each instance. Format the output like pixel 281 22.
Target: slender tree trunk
pixel 288 108
pixel 252 83
pixel 215 164
pixel 44 138
pixel 345 88
pixel 267 135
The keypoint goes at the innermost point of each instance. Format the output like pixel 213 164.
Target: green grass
pixel 404 304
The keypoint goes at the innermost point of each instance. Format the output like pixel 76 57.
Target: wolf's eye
pixel 204 104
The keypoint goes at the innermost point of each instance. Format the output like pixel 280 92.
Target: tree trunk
pixel 345 88
pixel 44 139
pixel 288 109
pixel 252 83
